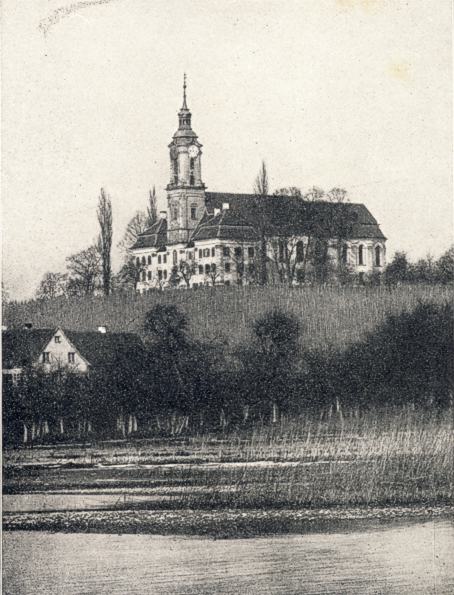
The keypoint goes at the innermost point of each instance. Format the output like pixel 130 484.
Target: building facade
pixel 215 238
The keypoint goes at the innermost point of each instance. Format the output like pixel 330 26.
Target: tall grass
pixel 334 315
pixel 383 457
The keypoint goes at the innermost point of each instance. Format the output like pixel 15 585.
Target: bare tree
pixel 283 252
pixel 137 225
pixel 52 285
pixel 260 195
pixel 104 213
pixel 186 270
pixel 213 274
pixel 84 271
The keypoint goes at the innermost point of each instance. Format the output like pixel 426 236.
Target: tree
pixel 445 267
pixel 260 196
pixel 84 271
pixel 52 285
pixel 129 275
pixel 213 274
pixel 270 362
pixel 104 213
pixel 152 209
pixel 186 270
pixel 398 270
pixel 137 225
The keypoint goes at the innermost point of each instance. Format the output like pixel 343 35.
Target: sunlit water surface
pixel 414 558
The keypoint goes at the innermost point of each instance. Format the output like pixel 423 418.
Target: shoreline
pixel 222 523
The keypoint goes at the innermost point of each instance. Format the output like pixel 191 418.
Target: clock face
pixel 193 151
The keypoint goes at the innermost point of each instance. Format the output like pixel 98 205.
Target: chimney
pixel 28 325
pixel 216 212
pixel 102 329
pixel 225 206
pixel 163 214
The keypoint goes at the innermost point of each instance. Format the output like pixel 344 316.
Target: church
pixel 219 238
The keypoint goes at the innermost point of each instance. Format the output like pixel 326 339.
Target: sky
pixel 349 93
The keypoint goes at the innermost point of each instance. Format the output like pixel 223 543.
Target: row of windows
pixel 175 211
pixel 46 356
pixel 146 275
pixel 362 255
pixel 203 253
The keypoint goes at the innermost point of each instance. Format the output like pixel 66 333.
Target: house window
pixel 138 261
pixel 200 254
pixel 377 256
pixel 227 267
pixel 300 251
pixel 226 251
pixel 213 251
pixel 200 269
pixel 149 259
pixel 165 274
pixel 250 252
pixel 193 210
pixel 144 275
pixel 238 252
pixel 226 283
pixel 164 258
pixel 160 275
pixel 213 267
pixel 206 252
pixel 207 269
pixel 46 357
pixel 57 339
pixel 143 260
pixel 149 275
pixel 361 255
pixel 282 250
pixel 175 257
pixel 71 357
pixel 190 256
pixel 159 259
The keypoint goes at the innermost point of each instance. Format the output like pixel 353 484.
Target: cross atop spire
pixel 184 92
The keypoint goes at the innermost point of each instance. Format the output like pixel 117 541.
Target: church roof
pixel 289 214
pixel 153 237
pixel 226 225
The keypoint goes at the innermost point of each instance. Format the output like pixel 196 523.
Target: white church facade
pixel 213 238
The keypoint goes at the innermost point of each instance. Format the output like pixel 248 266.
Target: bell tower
pixel 185 191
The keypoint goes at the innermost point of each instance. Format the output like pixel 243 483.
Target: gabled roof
pixel 288 214
pixel 21 348
pixel 153 237
pixel 226 225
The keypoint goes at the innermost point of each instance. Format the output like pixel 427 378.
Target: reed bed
pixel 381 457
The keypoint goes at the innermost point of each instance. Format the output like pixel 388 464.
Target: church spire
pixel 184 106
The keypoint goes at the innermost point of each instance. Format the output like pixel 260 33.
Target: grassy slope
pixel 335 316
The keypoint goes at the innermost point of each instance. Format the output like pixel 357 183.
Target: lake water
pixel 417 558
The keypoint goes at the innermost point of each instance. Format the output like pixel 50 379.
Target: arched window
pixel 175 257
pixel 299 251
pixel 361 260
pixel 143 260
pixel 193 210
pixel 377 256
pixel 174 212
pixel 149 259
pixel 200 269
pixel 138 261
pixel 207 269
pixel 344 253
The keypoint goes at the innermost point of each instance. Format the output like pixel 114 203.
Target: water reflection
pixel 414 558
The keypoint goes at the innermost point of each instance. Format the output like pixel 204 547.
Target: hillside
pixel 330 316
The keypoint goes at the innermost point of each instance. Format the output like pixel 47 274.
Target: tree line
pixel 180 384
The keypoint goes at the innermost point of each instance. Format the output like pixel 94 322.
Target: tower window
pixel 193 211
pixel 377 256
pixel 191 180
pixel 361 255
pixel 191 163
